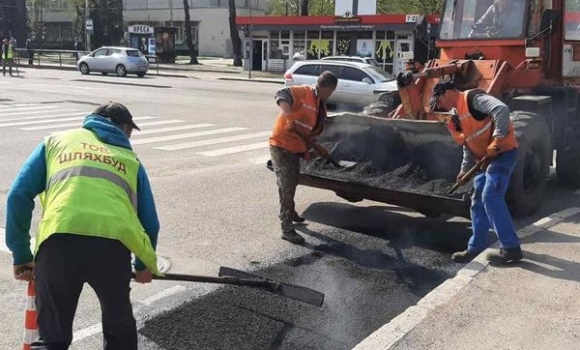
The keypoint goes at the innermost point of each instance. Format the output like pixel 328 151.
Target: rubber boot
pixel 293 237
pixel 505 256
pixel 464 256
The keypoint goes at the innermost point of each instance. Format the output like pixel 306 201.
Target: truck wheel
pixel 568 167
pixel 530 176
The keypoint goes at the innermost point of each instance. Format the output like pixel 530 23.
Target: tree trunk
pixel 235 35
pixel 188 36
pixel 304 7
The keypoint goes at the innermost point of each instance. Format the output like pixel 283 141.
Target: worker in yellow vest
pixel 98 208
pixel 7 56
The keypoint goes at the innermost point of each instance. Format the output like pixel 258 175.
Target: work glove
pixel 494 148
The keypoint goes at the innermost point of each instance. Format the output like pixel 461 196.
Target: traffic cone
pixel 30 325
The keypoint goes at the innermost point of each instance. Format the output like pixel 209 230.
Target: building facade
pixel 210 22
pixel 392 40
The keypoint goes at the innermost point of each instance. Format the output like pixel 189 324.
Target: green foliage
pixel 326 7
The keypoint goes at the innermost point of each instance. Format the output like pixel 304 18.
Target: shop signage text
pixel 348 26
pixel 140 29
pixel 345 20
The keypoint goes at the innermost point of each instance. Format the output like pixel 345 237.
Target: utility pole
pixel 87 35
pixel 171 13
pixel 251 66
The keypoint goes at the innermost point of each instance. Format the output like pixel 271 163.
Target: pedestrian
pixel 97 208
pixel 303 111
pixel 7 56
pixel 481 124
pixel 30 51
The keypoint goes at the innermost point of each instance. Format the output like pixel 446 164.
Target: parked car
pixel 359 84
pixel 367 60
pixel 120 60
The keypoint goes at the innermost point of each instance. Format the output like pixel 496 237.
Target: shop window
pixel 353 74
pixel 390 35
pixel 298 47
pixel 275 49
pixel 343 44
pixel 284 34
pixel 364 35
pixel 380 35
pixel 384 51
pixel 309 69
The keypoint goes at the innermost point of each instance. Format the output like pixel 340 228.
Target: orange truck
pixel 526 53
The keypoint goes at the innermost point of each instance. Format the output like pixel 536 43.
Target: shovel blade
pixel 303 294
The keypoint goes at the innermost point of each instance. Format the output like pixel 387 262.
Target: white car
pixel 367 60
pixel 359 84
pixel 119 60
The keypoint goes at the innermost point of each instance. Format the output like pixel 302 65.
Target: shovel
pixel 468 175
pixel 323 153
pixel 241 278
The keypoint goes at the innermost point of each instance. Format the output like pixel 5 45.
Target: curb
pixel 389 335
pixel 253 80
pixel 152 71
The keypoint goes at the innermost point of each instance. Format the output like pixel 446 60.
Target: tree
pixel 304 7
pixel 235 35
pixel 188 35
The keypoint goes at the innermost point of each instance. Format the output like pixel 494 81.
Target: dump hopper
pixel 408 163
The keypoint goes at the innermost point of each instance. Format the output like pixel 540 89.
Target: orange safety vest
pixel 305 111
pixel 476 134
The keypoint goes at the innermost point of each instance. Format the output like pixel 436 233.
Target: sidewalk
pixel 533 305
pixel 181 68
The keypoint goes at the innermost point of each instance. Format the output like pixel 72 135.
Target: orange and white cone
pixel 30 325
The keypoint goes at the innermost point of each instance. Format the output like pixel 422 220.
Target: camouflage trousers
pixel 287 169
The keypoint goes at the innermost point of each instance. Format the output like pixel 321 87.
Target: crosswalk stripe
pixel 260 160
pixel 18 109
pixel 185 145
pixel 76 125
pixel 185 136
pixel 232 150
pixel 35 112
pixel 7 105
pixel 44 116
pixel 162 122
pixel 52 121
pixel 174 128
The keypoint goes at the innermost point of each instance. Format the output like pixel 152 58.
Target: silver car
pixel 359 84
pixel 120 60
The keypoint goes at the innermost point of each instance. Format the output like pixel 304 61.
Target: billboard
pixel 364 7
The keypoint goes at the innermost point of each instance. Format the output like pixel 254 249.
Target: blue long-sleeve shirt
pixel 31 181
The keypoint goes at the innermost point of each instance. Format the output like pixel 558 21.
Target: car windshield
pixel 134 53
pixel 464 19
pixel 378 74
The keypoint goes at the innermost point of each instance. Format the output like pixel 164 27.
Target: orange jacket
pixel 305 114
pixel 475 134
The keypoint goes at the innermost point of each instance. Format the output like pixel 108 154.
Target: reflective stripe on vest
pixel 95 173
pixel 479 132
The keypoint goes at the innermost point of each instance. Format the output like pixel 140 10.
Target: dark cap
pixel 438 90
pixel 118 113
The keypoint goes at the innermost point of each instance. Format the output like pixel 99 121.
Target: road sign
pixel 89 25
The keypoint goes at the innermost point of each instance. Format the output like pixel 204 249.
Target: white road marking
pixel 76 125
pixel 19 109
pixel 45 116
pixel 3 125
pixel 184 136
pixel 7 105
pixel 162 122
pixel 174 128
pixel 87 332
pixel 232 150
pixel 215 141
pixel 164 294
pixel 260 160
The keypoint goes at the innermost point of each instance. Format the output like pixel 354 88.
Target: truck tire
pixel 530 175
pixel 568 167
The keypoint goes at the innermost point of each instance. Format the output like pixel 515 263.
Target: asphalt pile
pixel 410 177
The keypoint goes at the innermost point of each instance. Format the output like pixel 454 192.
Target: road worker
pixel 97 208
pixel 481 124
pixel 303 110
pixel 7 55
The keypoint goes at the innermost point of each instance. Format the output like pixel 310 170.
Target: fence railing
pixel 61 58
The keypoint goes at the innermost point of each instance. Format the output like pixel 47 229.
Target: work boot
pixel 292 237
pixel 297 218
pixel 464 256
pixel 505 256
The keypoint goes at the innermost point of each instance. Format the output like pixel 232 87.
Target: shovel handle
pixel 468 175
pixel 211 279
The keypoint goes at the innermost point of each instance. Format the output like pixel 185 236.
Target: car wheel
pixel 121 70
pixel 140 75
pixel 104 73
pixel 84 68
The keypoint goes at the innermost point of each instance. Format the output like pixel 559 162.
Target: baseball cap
pixel 117 112
pixel 438 90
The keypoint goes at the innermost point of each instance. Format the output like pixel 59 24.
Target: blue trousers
pixel 488 207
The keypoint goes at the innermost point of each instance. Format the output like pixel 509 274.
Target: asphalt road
pixel 204 143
